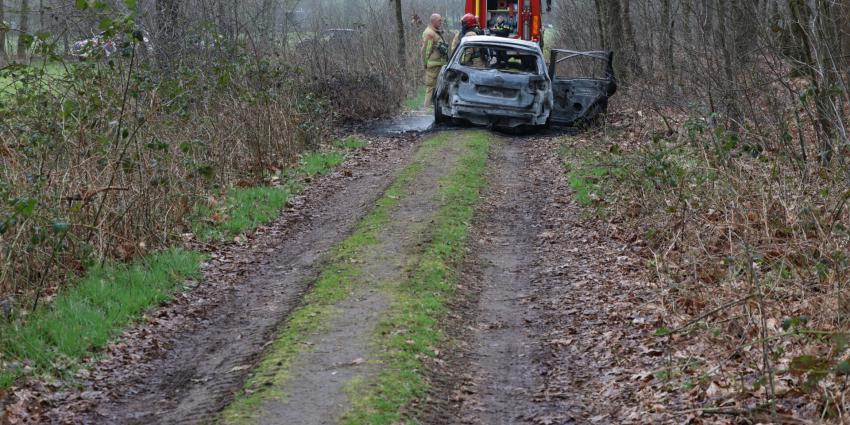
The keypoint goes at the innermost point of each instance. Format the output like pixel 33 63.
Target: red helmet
pixel 469 20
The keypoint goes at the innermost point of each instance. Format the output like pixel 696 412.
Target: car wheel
pixel 439 117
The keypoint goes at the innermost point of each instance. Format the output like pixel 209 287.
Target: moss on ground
pixel 411 330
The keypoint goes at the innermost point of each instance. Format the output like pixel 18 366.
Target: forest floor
pixel 449 277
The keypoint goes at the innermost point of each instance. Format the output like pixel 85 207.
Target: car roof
pixel 501 41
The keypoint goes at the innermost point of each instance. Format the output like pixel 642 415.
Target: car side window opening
pixel 507 60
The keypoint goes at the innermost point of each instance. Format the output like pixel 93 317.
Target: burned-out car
pixel 582 82
pixel 494 81
pixel 505 83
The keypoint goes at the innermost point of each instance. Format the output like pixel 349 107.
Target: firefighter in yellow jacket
pixel 435 54
pixel 469 28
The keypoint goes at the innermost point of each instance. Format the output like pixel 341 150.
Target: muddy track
pixel 200 361
pixel 316 392
pixel 495 339
pixel 498 364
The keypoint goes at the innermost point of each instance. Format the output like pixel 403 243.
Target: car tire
pixel 439 117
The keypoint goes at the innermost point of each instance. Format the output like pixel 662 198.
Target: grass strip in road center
pixel 411 331
pixel 334 285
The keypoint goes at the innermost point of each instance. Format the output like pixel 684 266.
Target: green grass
pixel 351 143
pixel 52 71
pixel 584 182
pixel 244 209
pixel 83 319
pixel 320 163
pixel 416 101
pixel 410 332
pixel 334 284
pixel 593 174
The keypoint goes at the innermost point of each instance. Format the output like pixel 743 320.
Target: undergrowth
pixel 85 316
pixel 748 248
pixel 416 101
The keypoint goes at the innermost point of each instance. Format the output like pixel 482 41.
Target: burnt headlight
pixel 455 75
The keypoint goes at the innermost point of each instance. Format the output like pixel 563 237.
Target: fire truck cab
pixel 523 15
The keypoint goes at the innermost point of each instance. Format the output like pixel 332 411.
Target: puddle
pixel 415 122
pixel 421 122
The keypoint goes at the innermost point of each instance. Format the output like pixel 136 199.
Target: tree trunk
pixel 730 84
pixel 600 23
pixel 615 37
pixel 24 29
pixel 3 33
pixel 667 39
pixel 629 41
pixel 801 15
pixel 744 16
pixel 402 48
pixel 167 15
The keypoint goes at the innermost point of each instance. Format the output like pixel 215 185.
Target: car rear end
pixel 506 85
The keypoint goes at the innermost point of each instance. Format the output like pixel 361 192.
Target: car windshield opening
pixel 580 67
pixel 500 58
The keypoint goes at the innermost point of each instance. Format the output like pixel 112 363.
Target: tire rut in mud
pixel 315 392
pixel 504 343
pixel 491 373
pixel 206 363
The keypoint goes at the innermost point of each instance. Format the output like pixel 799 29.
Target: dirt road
pixel 292 326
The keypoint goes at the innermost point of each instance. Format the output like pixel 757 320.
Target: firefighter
pixel 502 28
pixel 469 27
pixel 435 54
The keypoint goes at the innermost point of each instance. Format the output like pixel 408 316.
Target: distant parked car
pixel 100 46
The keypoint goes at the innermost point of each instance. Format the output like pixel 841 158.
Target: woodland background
pixel 725 157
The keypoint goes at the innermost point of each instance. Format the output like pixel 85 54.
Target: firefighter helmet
pixel 469 21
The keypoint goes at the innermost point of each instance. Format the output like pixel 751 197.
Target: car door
pixel 582 82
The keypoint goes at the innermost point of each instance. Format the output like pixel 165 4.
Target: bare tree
pixel 667 38
pixel 24 27
pixel 629 42
pixel 3 30
pixel 399 17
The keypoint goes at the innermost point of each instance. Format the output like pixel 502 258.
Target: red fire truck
pixel 523 15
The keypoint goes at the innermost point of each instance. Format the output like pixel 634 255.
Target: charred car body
pixel 582 82
pixel 494 81
pixel 505 83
